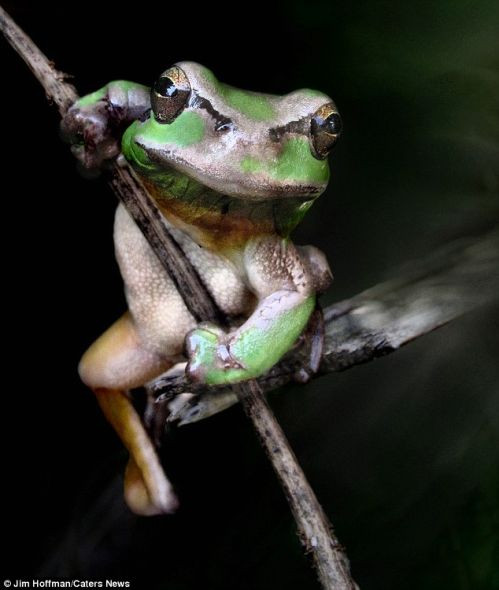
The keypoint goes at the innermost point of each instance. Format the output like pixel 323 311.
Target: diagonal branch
pixel 426 295
pixel 314 529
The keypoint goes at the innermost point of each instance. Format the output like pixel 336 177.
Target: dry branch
pixel 314 529
pixel 425 295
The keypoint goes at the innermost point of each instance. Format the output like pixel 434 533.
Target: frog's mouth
pixel 246 180
pixel 248 185
pixel 218 220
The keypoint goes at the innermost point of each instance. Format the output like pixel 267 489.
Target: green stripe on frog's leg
pixel 256 346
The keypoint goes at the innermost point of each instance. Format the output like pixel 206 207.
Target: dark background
pixel 403 452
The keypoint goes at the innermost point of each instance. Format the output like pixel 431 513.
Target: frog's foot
pixel 113 364
pixel 87 128
pixel 147 490
pixel 138 495
pixel 209 352
pixel 252 349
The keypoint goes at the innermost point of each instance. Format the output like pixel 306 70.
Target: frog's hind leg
pixel 115 363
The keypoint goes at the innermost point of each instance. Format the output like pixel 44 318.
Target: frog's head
pixel 238 143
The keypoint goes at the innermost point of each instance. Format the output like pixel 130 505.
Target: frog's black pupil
pixel 165 87
pixel 332 124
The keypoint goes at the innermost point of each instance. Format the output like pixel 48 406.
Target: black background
pixel 403 453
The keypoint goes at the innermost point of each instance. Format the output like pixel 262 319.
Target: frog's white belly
pixel 161 317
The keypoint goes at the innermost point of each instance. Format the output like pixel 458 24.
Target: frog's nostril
pixel 145 115
pixel 224 125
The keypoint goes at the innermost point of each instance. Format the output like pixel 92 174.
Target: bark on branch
pixel 314 529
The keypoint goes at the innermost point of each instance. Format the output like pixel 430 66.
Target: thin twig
pixel 315 530
pixel 57 89
pixel 313 526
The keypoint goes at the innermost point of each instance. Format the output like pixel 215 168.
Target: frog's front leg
pixel 256 346
pixel 95 123
pixel 285 286
pixel 115 363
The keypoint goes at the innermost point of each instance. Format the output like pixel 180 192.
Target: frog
pixel 232 173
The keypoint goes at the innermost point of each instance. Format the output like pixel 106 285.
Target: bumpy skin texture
pixel 272 284
pixel 233 172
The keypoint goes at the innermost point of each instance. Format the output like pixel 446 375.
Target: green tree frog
pixel 233 172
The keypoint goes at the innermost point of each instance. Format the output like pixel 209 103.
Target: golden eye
pixel 325 129
pixel 169 95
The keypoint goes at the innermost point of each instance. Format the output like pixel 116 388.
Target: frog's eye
pixel 325 129
pixel 169 95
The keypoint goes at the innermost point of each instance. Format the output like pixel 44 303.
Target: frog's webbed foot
pixel 218 358
pixel 147 489
pixel 186 408
pixel 160 411
pixel 96 122
pixel 179 409
pixel 89 130
pixel 208 347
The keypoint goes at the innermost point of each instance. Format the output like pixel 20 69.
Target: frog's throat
pixel 220 222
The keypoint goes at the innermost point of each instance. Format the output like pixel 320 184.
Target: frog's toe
pixel 201 345
pixel 196 370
